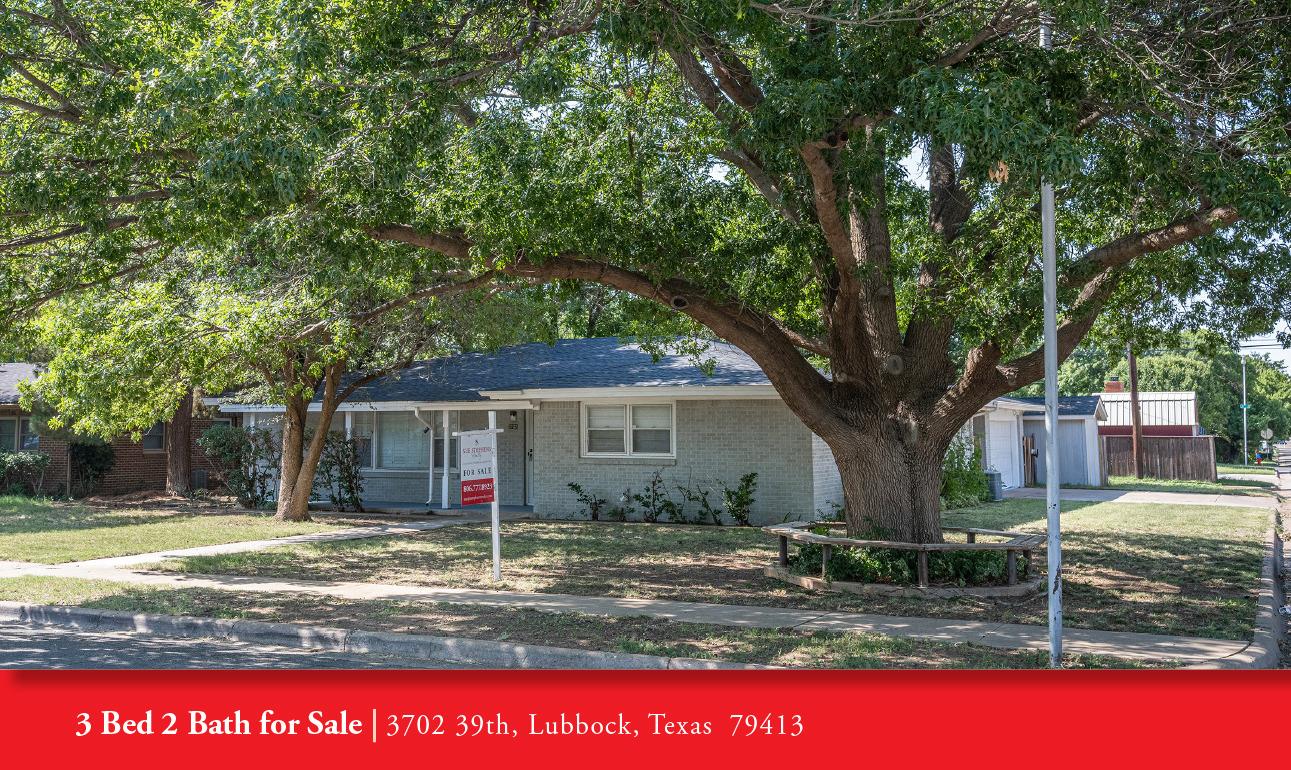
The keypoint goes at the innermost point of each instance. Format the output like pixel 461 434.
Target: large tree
pixel 846 191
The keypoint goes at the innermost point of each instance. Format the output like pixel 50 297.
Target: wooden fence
pixel 1190 458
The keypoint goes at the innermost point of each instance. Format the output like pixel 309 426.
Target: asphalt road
pixel 29 647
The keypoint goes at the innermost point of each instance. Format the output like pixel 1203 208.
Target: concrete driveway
pixel 1160 498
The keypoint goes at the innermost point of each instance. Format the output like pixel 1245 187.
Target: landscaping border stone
pixel 473 652
pixel 1024 588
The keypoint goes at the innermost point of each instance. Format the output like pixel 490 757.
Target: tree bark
pixel 289 506
pixel 300 457
pixel 891 481
pixel 179 449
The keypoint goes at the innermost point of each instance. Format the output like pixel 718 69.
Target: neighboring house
pixel 598 412
pixel 138 465
pixel 1011 434
pixel 1161 413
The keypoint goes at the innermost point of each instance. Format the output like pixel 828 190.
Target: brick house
pixel 138 465
pixel 599 412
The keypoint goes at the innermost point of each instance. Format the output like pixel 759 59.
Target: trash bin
pixel 995 482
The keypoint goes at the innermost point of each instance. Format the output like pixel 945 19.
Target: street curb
pixel 474 652
pixel 1263 651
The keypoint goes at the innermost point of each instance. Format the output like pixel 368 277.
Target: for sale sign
pixel 477 461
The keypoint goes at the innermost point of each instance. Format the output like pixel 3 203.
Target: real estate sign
pixel 478 453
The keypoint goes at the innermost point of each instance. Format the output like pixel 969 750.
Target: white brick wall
pixel 716 440
pixel 827 489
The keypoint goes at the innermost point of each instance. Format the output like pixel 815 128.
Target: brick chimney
pixel 1113 385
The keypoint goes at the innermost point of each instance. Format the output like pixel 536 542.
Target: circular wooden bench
pixel 1015 544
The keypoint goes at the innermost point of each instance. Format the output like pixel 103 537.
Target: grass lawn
pixel 1220 487
pixel 781 647
pixel 49 532
pixel 1263 470
pixel 1188 570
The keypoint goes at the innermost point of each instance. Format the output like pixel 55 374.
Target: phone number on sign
pixel 377 726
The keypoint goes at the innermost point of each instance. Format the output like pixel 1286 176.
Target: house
pixel 598 412
pixel 137 465
pixel 1010 432
pixel 1161 413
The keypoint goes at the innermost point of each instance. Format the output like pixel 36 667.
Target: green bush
pixel 245 461
pixel 656 503
pixel 592 505
pixel 884 565
pixel 23 472
pixel 963 482
pixel 339 475
pixel 738 500
pixel 90 462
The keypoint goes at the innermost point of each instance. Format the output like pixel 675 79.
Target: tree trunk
pixel 300 458
pixel 179 449
pixel 290 506
pixel 891 486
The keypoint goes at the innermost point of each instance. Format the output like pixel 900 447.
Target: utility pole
pixel 1049 240
pixel 1246 409
pixel 1136 419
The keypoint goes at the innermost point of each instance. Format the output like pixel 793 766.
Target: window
pixel 402 442
pixel 628 430
pixel 362 428
pixel 154 439
pixel 454 425
pixel 8 435
pixel 28 439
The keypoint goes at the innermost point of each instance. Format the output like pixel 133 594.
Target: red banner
pixel 477 491
pixel 643 719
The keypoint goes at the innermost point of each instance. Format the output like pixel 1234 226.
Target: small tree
pixel 245 461
pixel 339 476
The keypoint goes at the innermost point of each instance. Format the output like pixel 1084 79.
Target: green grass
pixel 1263 470
pixel 49 532
pixel 1186 570
pixel 1220 487
pixel 780 647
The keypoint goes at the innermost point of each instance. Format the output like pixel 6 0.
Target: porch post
pixel 443 483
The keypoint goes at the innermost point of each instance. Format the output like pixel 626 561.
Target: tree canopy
pixel 846 186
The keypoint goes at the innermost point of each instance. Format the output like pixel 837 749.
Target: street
pixel 47 647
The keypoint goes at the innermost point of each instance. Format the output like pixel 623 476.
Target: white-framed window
pixel 154 439
pixel 403 442
pixel 362 431
pixel 629 430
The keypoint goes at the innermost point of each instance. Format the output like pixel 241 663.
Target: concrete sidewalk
pixel 1160 498
pixel 1001 635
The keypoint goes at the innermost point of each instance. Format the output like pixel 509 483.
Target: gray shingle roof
pixel 1073 406
pixel 10 376
pixel 603 362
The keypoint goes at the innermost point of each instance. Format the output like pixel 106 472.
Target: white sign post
pixel 478 461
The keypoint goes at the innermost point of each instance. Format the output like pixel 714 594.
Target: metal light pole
pixel 1246 409
pixel 1049 237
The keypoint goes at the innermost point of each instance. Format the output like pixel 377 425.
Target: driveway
pixel 1162 498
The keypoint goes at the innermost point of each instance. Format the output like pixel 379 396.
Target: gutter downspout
pixel 430 465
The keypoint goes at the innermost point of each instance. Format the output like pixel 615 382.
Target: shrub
pixel 592 505
pixel 884 565
pixel 655 502
pixel 90 462
pixel 23 472
pixel 624 510
pixel 738 500
pixel 708 513
pixel 245 461
pixel 963 482
pixel 339 475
